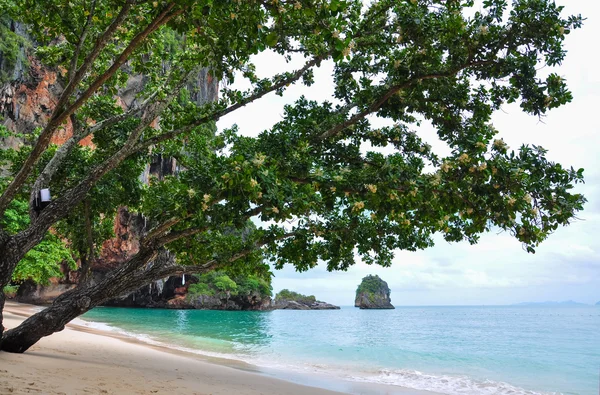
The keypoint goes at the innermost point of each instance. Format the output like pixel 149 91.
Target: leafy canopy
pixel 326 183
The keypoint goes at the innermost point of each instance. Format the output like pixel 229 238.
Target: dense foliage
pixel 10 290
pixel 44 260
pixel 218 283
pixel 12 50
pixel 286 294
pixel 371 285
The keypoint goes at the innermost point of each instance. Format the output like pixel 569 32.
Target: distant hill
pixel 566 303
pixel 598 304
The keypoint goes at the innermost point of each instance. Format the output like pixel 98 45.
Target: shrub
pixel 10 291
pixel 200 289
pixel 225 284
pixel 370 285
pixel 252 284
pixel 220 283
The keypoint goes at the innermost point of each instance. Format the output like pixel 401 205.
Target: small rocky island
pixel 289 300
pixel 373 293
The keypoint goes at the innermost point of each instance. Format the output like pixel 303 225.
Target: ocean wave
pixel 444 384
pixel 95 325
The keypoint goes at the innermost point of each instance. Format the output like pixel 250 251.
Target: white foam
pixel 445 384
pixel 95 325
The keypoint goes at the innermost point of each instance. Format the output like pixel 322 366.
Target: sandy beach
pixel 80 360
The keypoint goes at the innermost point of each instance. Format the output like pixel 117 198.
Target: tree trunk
pixel 75 302
pixel 9 257
pixel 53 319
pixel 2 297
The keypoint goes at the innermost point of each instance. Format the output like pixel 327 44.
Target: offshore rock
pixel 284 304
pixel 373 293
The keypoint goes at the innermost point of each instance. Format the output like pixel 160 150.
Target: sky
pixel 496 271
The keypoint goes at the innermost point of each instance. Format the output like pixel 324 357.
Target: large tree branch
pixel 377 104
pixel 165 16
pixel 81 41
pixel 219 114
pixel 180 234
pixel 213 263
pixel 63 151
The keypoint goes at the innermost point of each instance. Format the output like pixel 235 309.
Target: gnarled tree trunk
pixel 9 258
pixel 2 297
pixel 77 301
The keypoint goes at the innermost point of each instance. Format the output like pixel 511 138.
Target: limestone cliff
pixel 28 94
pixel 373 293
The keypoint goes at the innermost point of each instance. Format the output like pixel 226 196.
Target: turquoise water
pixel 451 350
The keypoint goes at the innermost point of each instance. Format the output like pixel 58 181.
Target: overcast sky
pixel 497 270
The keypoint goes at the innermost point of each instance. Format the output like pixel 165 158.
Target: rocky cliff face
pixel 373 293
pixel 28 93
pixel 253 301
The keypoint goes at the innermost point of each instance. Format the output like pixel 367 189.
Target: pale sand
pixel 80 360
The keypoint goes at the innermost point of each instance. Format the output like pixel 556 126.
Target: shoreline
pixel 81 359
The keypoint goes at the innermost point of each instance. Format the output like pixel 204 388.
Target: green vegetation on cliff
pixel 369 285
pixel 10 290
pixel 286 294
pixel 219 284
pixel 11 50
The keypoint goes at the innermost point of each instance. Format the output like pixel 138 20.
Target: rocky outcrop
pixel 156 294
pixel 253 301
pixel 373 293
pixel 290 300
pixel 32 293
pixel 284 304
pixel 128 229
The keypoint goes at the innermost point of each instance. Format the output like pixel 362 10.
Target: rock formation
pixel 373 293
pixel 293 305
pixel 288 300
pixel 252 301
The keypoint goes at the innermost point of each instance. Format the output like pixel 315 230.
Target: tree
pixel 318 178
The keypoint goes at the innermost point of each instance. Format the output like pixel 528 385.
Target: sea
pixel 501 350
